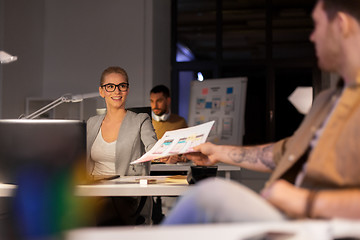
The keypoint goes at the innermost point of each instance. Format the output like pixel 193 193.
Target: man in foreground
pixel 315 172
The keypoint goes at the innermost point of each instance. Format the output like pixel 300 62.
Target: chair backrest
pixel 141 110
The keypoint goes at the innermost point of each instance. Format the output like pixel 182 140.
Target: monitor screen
pixel 44 158
pixel 50 145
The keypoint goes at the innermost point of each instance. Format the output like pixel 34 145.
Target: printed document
pixel 178 142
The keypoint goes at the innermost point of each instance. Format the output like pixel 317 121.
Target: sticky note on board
pixel 208 105
pixel 205 91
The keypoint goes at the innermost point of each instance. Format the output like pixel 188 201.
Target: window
pixel 264 40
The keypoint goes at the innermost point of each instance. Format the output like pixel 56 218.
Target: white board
pixel 222 100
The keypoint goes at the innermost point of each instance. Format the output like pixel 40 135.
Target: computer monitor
pixel 48 145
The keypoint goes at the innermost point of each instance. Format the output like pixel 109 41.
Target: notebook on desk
pixel 32 145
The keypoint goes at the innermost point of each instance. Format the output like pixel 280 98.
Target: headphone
pixel 161 118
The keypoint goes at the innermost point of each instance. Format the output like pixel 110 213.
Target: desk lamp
pixel 60 100
pixel 6 58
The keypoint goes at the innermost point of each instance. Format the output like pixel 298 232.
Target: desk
pixel 116 188
pixel 130 189
pixel 302 229
pixel 126 186
pixel 186 166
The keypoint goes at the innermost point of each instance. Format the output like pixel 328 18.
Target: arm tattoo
pixel 266 156
pixel 253 155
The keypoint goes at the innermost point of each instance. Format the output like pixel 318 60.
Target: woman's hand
pixel 173 159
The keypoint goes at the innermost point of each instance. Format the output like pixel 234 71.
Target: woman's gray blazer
pixel 136 136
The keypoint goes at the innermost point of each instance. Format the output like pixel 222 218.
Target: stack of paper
pixel 178 142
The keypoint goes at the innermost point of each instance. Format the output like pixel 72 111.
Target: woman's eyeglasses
pixel 110 87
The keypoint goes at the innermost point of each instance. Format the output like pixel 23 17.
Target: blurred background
pixel 63 46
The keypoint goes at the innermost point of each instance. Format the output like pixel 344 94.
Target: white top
pixel 103 154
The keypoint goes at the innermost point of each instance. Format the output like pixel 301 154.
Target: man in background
pixel 162 118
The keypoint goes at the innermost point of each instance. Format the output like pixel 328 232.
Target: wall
pixel 161 42
pixel 23 31
pixel 1 45
pixel 64 45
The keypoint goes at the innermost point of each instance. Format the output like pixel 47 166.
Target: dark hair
pixel 332 7
pixel 109 70
pixel 161 89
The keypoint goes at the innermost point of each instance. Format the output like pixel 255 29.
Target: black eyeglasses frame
pixel 116 86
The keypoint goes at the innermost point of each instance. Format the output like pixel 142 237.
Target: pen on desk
pixel 271 235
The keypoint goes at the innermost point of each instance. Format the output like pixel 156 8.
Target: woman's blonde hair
pixel 113 69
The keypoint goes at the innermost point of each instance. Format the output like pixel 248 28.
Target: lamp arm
pixel 48 107
pixel 60 100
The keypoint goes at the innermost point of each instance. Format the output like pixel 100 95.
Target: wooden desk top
pixel 125 186
pixel 131 186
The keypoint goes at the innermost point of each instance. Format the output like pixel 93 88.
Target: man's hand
pixel 287 198
pixel 205 154
pixel 257 158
